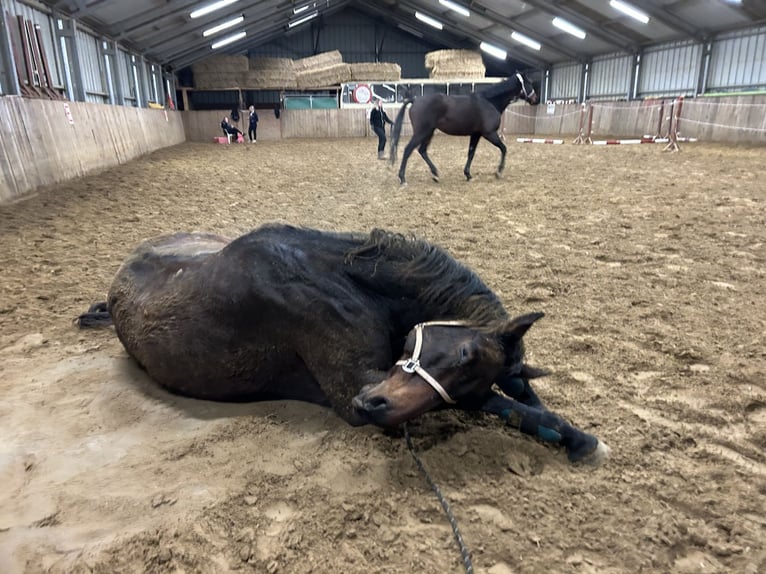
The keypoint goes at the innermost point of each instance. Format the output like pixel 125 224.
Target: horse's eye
pixel 465 354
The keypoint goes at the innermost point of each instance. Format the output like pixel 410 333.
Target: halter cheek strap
pixel 524 88
pixel 412 365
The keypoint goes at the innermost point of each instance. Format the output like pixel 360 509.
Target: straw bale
pixel 218 80
pixel 270 79
pixel 280 64
pixel 327 76
pixel 376 72
pixel 221 63
pixel 468 59
pixel 445 73
pixel 320 61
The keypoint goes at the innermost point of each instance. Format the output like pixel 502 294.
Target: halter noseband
pixel 520 78
pixel 412 365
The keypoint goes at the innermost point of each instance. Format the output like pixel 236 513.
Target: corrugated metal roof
pixel 163 30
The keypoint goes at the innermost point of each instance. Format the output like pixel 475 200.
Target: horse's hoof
pixel 597 456
pixel 435 178
pixel 498 174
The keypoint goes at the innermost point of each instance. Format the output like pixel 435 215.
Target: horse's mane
pixel 501 94
pixel 446 286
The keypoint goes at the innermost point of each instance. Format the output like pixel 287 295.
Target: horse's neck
pixel 457 293
pixel 503 94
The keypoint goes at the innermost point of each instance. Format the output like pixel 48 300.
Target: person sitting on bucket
pixel 378 120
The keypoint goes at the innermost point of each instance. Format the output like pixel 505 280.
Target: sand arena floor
pixel 648 265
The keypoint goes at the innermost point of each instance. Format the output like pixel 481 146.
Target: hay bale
pixel 376 72
pixel 285 65
pixel 323 77
pixel 270 79
pixel 320 61
pixel 455 74
pixel 443 64
pixel 221 63
pixel 218 80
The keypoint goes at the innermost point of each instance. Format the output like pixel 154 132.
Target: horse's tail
pixel 97 316
pixel 397 129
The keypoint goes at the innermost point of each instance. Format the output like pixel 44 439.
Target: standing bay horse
pixel 477 115
pixel 379 326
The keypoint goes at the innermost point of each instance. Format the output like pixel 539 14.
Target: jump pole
pixel 631 141
pixel 584 139
pixel 539 141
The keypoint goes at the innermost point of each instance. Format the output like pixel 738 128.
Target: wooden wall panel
pixel 39 146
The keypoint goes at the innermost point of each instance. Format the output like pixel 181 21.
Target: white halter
pixel 524 88
pixel 412 365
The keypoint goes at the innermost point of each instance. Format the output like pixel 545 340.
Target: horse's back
pixel 454 115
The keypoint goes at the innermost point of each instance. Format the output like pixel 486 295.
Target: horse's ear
pixel 513 331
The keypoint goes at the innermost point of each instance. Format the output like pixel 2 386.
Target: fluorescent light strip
pixel 223 26
pixel 305 7
pixel 428 20
pixel 211 8
pixel 493 50
pixel 634 13
pixel 562 24
pixel 228 40
pixel 306 18
pixel 526 40
pixel 455 7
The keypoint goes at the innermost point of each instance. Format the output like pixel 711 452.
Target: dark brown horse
pixel 477 115
pixel 380 327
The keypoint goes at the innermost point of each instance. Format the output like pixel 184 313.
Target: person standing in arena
pixel 252 126
pixel 378 120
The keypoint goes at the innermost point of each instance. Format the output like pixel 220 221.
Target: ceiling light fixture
pixel 223 26
pixel 526 40
pixel 305 18
pixel 625 8
pixel 428 20
pixel 211 8
pixel 562 24
pixel 455 7
pixel 305 7
pixel 493 51
pixel 228 40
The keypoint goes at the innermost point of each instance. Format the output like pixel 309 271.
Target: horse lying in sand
pixel 380 327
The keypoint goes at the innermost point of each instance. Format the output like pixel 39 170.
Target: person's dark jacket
pixel 253 119
pixel 378 118
pixel 229 129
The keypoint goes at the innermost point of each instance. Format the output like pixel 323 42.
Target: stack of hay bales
pixel 376 72
pixel 460 64
pixel 320 71
pixel 271 73
pixel 325 69
pixel 220 72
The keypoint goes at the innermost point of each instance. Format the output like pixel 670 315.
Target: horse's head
pixel 527 89
pixel 444 363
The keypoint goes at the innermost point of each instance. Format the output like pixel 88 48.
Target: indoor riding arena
pixel 648 261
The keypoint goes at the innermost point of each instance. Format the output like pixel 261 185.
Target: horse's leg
pixel 423 151
pixel 548 427
pixel 405 156
pixel 471 151
pixel 518 388
pixel 495 140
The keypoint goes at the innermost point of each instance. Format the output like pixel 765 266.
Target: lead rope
pixel 464 553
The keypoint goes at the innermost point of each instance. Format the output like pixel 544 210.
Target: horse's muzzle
pixel 373 409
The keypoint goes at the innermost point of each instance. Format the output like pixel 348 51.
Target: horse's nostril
pixel 376 403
